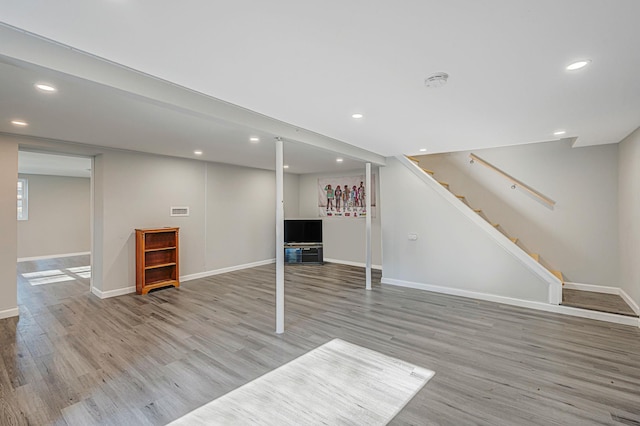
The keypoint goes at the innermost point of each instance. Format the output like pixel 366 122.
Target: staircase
pixel 497 226
pixel 608 303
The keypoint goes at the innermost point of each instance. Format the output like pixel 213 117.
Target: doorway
pixel 54 227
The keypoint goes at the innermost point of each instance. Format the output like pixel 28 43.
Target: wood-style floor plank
pixel 73 359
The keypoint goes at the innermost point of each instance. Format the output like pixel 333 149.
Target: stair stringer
pixel 554 284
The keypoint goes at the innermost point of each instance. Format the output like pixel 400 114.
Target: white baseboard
pixel 593 288
pixel 541 306
pixel 52 256
pixel 8 313
pixel 632 303
pixel 113 293
pixel 128 290
pixel 225 270
pixel 350 263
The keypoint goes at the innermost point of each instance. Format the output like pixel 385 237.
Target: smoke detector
pixel 436 80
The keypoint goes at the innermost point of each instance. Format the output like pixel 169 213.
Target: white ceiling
pixel 313 64
pixel 86 112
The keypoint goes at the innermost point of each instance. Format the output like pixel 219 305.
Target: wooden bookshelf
pixel 157 258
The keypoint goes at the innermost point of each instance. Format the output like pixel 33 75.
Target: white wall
pixel 629 195
pixel 451 251
pixel 291 195
pixel 8 226
pixel 579 235
pixel 344 239
pixel 241 215
pixel 231 222
pixel 137 191
pixel 59 214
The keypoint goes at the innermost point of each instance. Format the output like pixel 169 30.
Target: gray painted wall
pixel 344 239
pixel 231 222
pixel 8 226
pixel 291 195
pixel 240 226
pixel 450 251
pixel 629 195
pixel 138 191
pixel 579 235
pixel 59 216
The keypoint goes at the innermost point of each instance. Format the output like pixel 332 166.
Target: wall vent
pixel 179 211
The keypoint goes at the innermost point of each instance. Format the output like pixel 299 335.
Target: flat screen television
pixel 303 231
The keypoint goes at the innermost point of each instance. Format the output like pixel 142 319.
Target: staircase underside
pixel 611 303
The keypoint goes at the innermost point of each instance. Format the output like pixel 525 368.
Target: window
pixel 23 199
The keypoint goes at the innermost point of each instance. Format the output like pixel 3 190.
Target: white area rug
pixel 336 383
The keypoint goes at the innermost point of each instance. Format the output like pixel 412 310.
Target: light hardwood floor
pixel 73 359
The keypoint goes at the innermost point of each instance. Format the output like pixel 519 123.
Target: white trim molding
pixel 52 256
pixel 632 303
pixel 592 288
pixel 113 293
pixel 205 274
pixel 541 306
pixel 350 263
pixel 8 313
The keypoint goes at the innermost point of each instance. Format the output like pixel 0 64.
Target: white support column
pixel 368 191
pixel 279 237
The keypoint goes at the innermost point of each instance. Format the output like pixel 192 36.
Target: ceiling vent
pixel 436 80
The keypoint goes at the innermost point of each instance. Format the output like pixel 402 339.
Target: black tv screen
pixel 303 231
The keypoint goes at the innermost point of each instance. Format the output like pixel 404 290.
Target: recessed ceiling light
pixel 339 160
pixel 254 139
pixel 286 166
pixel 357 115
pixel 197 152
pixel 578 64
pixel 423 149
pixel 46 88
pixel 21 123
pixel 559 132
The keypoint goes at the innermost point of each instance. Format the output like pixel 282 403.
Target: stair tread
pixel 443 183
pixel 477 210
pixel 557 274
pixel 536 256
pixel 431 172
pixel 495 225
pixel 460 196
pixel 514 240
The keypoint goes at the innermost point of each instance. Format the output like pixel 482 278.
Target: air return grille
pixel 179 211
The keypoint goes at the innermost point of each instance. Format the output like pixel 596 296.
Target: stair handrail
pixel 515 182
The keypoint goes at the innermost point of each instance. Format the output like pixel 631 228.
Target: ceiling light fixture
pixel 559 132
pixel 197 152
pixel 423 149
pixel 43 87
pixel 578 64
pixel 436 80
pixel 339 160
pixel 254 139
pixel 20 123
pixel 357 115
pixel 286 166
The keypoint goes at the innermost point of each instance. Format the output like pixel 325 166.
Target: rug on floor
pixel 336 383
